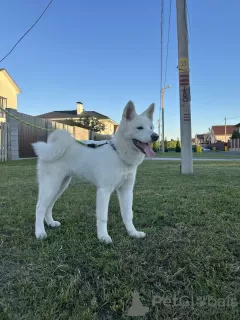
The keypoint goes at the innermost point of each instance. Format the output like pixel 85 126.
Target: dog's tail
pixel 57 144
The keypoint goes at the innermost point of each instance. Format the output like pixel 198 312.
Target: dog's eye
pixel 140 128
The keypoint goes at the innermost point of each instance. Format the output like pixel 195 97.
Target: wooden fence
pixel 4 141
pixel 21 135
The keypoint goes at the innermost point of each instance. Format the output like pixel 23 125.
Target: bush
pixel 166 146
pixel 178 148
pixel 154 146
pixel 235 134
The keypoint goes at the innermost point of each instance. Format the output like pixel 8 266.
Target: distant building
pixel 218 133
pixel 9 91
pixel 203 138
pixel 110 125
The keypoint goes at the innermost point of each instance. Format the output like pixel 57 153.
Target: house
pixel 9 91
pixel 203 138
pixel 222 133
pixel 199 139
pixel 110 125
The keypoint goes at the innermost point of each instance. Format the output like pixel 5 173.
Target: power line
pixel 169 25
pixel 161 54
pixel 161 66
pixel 220 124
pixel 233 118
pixel 26 32
pixel 189 23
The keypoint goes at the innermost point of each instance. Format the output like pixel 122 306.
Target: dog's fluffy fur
pixel 62 157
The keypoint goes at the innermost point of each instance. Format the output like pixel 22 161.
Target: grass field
pixel 192 249
pixel 211 155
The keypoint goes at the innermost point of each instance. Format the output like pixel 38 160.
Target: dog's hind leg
pixel 103 197
pixel 48 215
pixel 125 195
pixel 49 186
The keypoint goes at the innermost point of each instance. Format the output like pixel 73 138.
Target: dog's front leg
pixel 103 197
pixel 125 195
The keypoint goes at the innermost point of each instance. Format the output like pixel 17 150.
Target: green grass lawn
pixel 211 155
pixel 192 248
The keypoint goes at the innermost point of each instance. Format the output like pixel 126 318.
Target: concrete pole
pixel 184 89
pixel 162 98
pixel 159 136
pixel 225 129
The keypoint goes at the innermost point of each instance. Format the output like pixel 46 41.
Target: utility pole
pixel 162 99
pixel 162 104
pixel 184 89
pixel 159 139
pixel 225 129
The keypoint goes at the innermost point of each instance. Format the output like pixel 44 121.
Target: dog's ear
pixel 129 111
pixel 149 112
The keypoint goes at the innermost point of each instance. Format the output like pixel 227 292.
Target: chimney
pixel 79 107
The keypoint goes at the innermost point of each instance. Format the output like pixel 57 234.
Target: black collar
pixel 94 145
pixel 112 145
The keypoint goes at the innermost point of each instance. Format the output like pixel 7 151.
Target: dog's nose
pixel 154 137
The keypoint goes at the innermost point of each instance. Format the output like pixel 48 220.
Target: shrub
pixel 154 146
pixel 178 147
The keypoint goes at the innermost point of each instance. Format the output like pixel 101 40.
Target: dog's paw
pixel 137 234
pixel 41 235
pixel 54 224
pixel 106 239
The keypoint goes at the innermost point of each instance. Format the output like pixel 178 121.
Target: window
pixel 3 104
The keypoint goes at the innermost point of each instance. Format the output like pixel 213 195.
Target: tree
pixel 89 123
pixel 166 145
pixel 155 145
pixel 235 134
pixel 178 146
pixel 172 144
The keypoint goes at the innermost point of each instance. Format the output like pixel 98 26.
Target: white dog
pixel 109 167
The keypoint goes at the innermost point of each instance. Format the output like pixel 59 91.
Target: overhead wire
pixel 189 24
pixel 27 32
pixel 161 64
pixel 169 25
pixel 233 118
pixel 161 47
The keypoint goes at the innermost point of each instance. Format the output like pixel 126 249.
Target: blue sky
pixel 105 53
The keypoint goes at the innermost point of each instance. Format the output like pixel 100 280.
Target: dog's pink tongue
pixel 147 149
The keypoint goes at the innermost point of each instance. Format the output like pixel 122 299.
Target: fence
pixel 98 137
pixel 234 144
pixel 23 135
pixel 4 141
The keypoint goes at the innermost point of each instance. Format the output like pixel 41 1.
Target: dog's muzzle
pixel 154 137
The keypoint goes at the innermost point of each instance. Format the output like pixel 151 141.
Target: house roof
pixel 10 79
pixel 220 130
pixel 72 114
pixel 237 125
